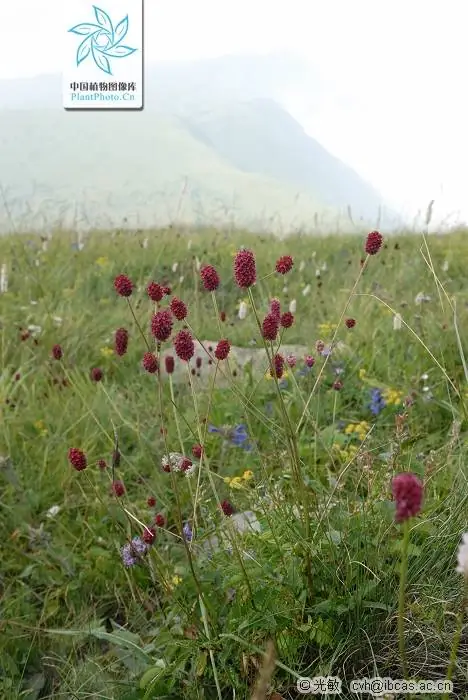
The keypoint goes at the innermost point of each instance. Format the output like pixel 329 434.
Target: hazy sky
pixel 397 108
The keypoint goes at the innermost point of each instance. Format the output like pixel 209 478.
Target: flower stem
pixel 301 486
pixel 401 599
pixel 456 639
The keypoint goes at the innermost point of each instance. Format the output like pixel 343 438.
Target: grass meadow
pixel 222 529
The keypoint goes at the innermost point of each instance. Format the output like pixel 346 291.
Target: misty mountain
pixel 213 145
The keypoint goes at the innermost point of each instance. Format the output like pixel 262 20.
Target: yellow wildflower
pixel 176 580
pixel 247 475
pixel 102 261
pixel 41 428
pixel 362 373
pixel 236 483
pixel 227 480
pixel 327 328
pixel 107 352
pixel 393 397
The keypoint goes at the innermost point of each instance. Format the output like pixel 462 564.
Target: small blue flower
pixel 237 436
pixel 132 552
pixel 187 532
pixel 377 403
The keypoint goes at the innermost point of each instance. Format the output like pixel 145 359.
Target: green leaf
pixel 152 674
pixel 201 663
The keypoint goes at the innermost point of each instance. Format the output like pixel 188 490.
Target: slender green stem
pixel 456 638
pixel 301 486
pixel 338 326
pixel 401 598
pixel 212 658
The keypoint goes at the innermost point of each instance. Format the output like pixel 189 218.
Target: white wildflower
pixel 421 297
pixel 292 306
pixel 57 320
pixel 175 266
pixel 173 461
pixel 397 322
pixel 243 308
pixel 317 272
pixel 145 243
pixel 191 470
pixel 33 303
pixel 53 511
pixel 306 290
pixel 34 330
pixel 445 266
pixel 462 558
pixel 181 279
pixel 324 267
pixel 3 279
pixel 285 290
pixel 302 265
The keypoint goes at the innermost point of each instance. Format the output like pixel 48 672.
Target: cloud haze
pixel 395 105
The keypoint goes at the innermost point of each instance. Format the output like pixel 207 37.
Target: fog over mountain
pixel 215 144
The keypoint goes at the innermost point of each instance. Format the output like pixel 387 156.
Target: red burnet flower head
pixel 77 459
pixel 102 464
pixel 185 464
pixel 57 352
pixel 151 501
pixel 184 345
pixel 197 451
pixel 291 360
pixel 350 322
pixel 222 349
pixel 320 346
pixel 222 316
pixel 227 508
pixel 337 385
pixel 123 285
pixel 149 535
pixel 121 341
pixel 169 363
pixel 210 278
pixel 407 491
pixel 245 272
pixel 309 360
pixel 278 366
pixel 275 308
pixel 159 520
pixel 287 319
pixel 96 374
pixel 167 291
pixel 178 308
pixel 374 242
pixel 284 264
pixel 270 327
pixel 155 291
pixel 118 488
pixel 198 362
pixel 150 362
pixel 161 325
